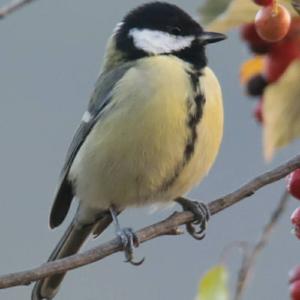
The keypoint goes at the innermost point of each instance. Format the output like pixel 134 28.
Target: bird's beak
pixel 211 37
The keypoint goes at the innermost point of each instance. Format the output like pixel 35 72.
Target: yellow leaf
pixel 281 111
pixel 214 284
pixel 240 12
pixel 251 67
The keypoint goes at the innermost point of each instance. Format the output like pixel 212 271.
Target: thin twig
pixel 161 228
pixel 250 258
pixel 12 7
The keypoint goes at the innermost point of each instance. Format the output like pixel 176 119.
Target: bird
pixel 151 132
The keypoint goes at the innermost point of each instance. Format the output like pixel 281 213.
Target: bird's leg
pixel 128 238
pixel 201 212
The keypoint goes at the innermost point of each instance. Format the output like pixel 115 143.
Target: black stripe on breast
pixel 195 112
pixel 193 121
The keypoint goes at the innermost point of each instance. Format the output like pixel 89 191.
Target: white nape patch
pixel 86 117
pixel 118 26
pixel 158 42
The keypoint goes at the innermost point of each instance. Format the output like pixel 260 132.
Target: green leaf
pixel 214 284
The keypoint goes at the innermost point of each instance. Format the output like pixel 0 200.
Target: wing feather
pixel 101 96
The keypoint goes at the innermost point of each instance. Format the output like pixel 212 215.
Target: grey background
pixel 50 55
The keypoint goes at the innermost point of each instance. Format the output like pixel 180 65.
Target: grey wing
pixel 101 97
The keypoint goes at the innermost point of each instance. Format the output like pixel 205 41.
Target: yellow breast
pixel 133 150
pixel 209 134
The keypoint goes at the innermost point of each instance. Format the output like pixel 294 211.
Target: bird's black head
pixel 159 28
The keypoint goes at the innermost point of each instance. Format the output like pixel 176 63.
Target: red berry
pixel 295 290
pixel 263 2
pixel 279 58
pixel 283 53
pixel 293 186
pixel 294 274
pixel 256 43
pixel 272 22
pixel 259 46
pixel 295 217
pixel 257 112
pixel 294 30
pixel 249 34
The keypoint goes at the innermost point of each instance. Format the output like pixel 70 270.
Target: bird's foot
pixel 129 241
pixel 201 212
pixel 128 238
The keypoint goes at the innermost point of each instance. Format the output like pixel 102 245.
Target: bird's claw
pixel 129 241
pixel 196 234
pixel 201 212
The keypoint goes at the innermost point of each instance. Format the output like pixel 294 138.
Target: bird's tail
pixel 69 244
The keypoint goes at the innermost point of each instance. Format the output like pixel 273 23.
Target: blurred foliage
pixel 281 111
pixel 223 15
pixel 211 9
pixel 296 5
pixel 214 284
pixel 251 67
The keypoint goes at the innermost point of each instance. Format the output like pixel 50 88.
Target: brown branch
pixel 250 258
pixel 12 7
pixel 165 227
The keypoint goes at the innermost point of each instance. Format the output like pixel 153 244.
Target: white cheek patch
pixel 86 118
pixel 158 42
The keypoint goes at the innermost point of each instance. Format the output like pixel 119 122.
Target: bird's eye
pixel 174 30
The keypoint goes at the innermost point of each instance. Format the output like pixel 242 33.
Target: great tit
pixel 151 132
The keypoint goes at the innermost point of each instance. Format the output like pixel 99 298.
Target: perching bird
pixel 151 132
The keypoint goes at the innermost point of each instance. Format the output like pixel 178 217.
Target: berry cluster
pixel 277 56
pixel 274 38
